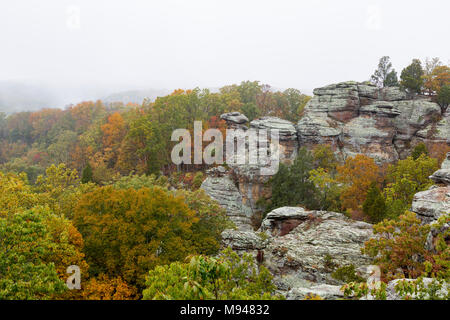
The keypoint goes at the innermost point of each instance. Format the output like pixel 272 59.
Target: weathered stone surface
pixel 243 240
pixel 287 135
pixel 361 118
pixel 446 162
pixel 234 117
pixel 429 205
pixel 301 253
pixel 283 220
pixel 325 291
pixel 286 128
pixel 441 176
pixel 223 190
pixel 364 135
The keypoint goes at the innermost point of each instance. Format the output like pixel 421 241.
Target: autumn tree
pixel 400 246
pixel 15 194
pixel 128 232
pixel 436 75
pixel 357 174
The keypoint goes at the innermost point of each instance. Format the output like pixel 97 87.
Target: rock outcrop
pixel 219 186
pixel 234 118
pixel 352 118
pixel 431 204
pixel 302 248
pixel 361 118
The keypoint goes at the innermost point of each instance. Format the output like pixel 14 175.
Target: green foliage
pixel 385 76
pixel 412 77
pixel 328 190
pixel 420 149
pixel 291 185
pixel 400 246
pixel 129 231
pixel 375 205
pixel 405 179
pixel 86 175
pixel 227 277
pixel 347 274
pixel 25 248
pixel 325 158
pixel 443 97
pixel 391 79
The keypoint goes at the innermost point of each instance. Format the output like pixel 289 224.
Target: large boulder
pixel 222 189
pixel 235 118
pixel 303 244
pixel 361 118
pixel 243 240
pixel 441 176
pixel 431 204
pixel 324 291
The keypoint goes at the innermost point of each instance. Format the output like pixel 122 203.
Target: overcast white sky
pixel 128 44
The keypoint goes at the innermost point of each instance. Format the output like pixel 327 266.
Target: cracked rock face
pixel 431 204
pixel 297 243
pixel 302 252
pixel 361 118
pixel 234 118
pixel 294 244
pixel 222 189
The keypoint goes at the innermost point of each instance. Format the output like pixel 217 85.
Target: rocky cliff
pixel 302 247
pixel 352 118
pixel 381 123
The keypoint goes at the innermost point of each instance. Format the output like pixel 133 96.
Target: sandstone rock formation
pixel 221 188
pixel 302 248
pixel 431 204
pixel 234 118
pixel 353 118
pixel 361 118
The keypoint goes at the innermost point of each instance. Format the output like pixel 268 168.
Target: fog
pixel 85 49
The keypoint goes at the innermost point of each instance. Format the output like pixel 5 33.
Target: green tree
pixel 443 97
pixel 327 190
pixel 384 76
pixel 25 249
pixel 291 185
pixel 128 232
pixel 412 77
pixel 391 79
pixel 86 175
pixel 228 277
pixel 418 150
pixel 375 205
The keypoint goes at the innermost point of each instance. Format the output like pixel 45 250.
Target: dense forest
pixel 93 185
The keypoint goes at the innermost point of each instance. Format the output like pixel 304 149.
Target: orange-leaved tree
pixel 357 174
